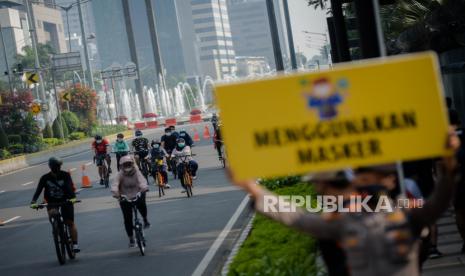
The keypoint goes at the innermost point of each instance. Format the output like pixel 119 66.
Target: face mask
pixel 168 134
pixel 127 170
pixel 181 145
pixel 119 139
pixel 98 141
pixel 156 146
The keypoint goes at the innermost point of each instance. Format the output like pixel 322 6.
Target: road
pixel 183 230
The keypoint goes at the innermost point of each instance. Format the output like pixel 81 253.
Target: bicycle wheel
pixel 58 240
pixel 188 184
pixel 69 244
pixel 161 185
pixel 140 240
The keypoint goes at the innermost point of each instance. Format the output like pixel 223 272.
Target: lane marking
pixel 88 164
pixel 78 190
pixel 1 192
pixel 72 170
pixel 219 240
pixel 11 219
pixel 28 183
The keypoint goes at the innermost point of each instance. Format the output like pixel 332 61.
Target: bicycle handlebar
pixel 55 204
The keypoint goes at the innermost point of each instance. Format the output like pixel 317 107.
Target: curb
pixel 245 233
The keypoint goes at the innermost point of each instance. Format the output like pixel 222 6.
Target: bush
pixel 47 132
pixel 53 141
pixel 71 120
pixel 65 129
pixel 14 139
pixel 107 130
pixel 275 249
pixel 3 139
pixel 4 154
pixel 77 135
pixel 280 182
pixel 56 128
pixel 16 149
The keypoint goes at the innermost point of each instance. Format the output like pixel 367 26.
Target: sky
pixel 305 18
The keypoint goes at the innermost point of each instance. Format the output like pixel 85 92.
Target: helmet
pixel 120 135
pixel 98 137
pixel 138 133
pixel 156 141
pixel 54 162
pixel 172 127
pixel 168 129
pixel 126 159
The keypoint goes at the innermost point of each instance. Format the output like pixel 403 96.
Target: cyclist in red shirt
pixel 100 146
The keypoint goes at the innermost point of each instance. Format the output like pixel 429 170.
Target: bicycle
pixel 171 164
pixel 144 166
pixel 61 234
pixel 186 178
pixel 158 177
pixel 118 157
pixel 106 172
pixel 223 154
pixel 138 228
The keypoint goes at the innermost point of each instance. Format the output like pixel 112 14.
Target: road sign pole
pixel 86 50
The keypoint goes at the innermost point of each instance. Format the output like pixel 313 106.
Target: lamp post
pixel 67 9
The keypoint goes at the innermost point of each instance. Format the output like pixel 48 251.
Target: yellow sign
pixel 35 108
pixel 32 78
pixel 379 111
pixel 67 96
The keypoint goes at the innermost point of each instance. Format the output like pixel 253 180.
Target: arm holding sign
pixel 441 197
pixel 266 203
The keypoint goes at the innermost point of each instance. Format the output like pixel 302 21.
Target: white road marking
pixel 11 219
pixel 78 190
pixel 28 183
pixel 88 164
pixel 219 240
pixel 72 170
pixel 1 192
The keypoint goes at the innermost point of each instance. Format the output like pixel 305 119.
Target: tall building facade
pixel 49 26
pixel 251 30
pixel 213 32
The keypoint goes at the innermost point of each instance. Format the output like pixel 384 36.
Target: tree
pixel 71 120
pixel 317 3
pixel 47 132
pixel 301 59
pixel 84 104
pixel 3 138
pixel 28 59
pixel 56 128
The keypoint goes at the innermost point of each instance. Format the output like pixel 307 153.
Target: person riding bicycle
pixel 168 142
pixel 100 146
pixel 173 131
pixel 158 153
pixel 140 146
pixel 120 148
pixel 218 140
pixel 182 150
pixel 184 135
pixel 130 183
pixel 58 188
pixel 214 121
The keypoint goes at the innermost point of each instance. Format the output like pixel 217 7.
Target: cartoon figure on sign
pixel 324 97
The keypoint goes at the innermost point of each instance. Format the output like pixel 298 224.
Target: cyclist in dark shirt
pixel 58 188
pixel 140 146
pixel 168 141
pixel 184 135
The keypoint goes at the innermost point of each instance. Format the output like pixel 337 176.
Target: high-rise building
pixel 49 25
pixel 250 29
pixel 211 26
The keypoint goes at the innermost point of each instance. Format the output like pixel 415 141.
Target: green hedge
pixel 16 149
pixel 14 139
pixel 4 154
pixel 53 141
pixel 107 130
pixel 274 249
pixel 77 135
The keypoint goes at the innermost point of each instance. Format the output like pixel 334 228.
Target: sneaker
pixel 132 243
pixel 76 248
pixel 434 253
pixel 101 181
pixel 183 191
pixel 194 177
pixel 167 186
pixel 146 224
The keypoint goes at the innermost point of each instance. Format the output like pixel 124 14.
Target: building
pixel 213 33
pixel 252 66
pixel 49 25
pixel 250 29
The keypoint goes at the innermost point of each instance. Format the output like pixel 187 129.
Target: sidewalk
pixel 450 244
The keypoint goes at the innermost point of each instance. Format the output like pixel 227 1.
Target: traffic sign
pixel 35 108
pixel 66 96
pixel 44 106
pixel 32 78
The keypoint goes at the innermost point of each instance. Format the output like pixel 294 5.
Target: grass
pixel 274 249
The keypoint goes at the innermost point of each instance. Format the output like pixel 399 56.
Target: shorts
pixel 100 158
pixel 67 211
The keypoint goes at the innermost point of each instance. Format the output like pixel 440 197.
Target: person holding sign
pixel 378 243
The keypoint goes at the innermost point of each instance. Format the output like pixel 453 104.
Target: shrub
pixel 107 130
pixel 56 128
pixel 53 141
pixel 77 135
pixel 3 138
pixel 65 129
pixel 47 132
pixel 16 149
pixel 14 139
pixel 4 154
pixel 71 120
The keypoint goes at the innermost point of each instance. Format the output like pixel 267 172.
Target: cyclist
pixel 214 121
pixel 184 135
pixel 184 150
pixel 218 140
pixel 159 153
pixel 168 142
pixel 140 146
pixel 121 148
pixel 174 132
pixel 58 188
pixel 130 183
pixel 100 146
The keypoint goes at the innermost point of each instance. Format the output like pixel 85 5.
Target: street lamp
pixel 67 9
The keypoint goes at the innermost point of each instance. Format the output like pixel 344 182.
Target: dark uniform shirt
pixel 56 189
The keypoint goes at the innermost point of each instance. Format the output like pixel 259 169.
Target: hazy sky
pixel 304 18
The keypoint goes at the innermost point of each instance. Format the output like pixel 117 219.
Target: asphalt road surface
pixel 183 229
